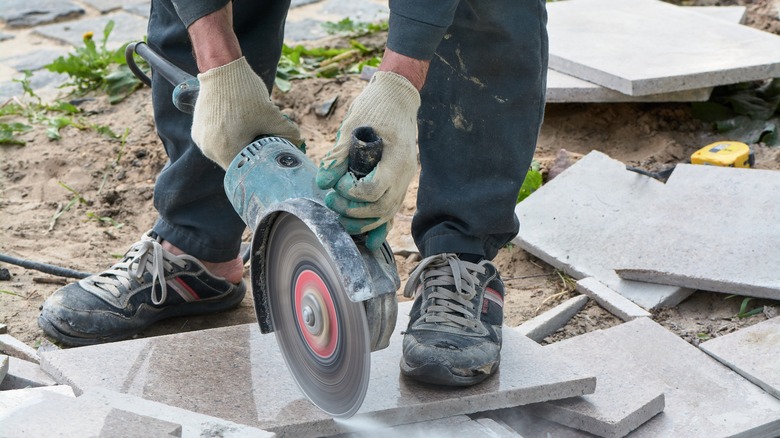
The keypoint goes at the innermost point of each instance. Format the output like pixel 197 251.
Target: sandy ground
pixel 117 181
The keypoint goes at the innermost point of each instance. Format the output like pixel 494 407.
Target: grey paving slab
pixel 127 28
pixel 625 45
pixel 105 6
pixel 16 348
pixel 530 426
pixel 3 367
pixel 751 352
pixel 256 388
pixel 18 398
pixel 563 88
pixel 627 396
pixel 703 397
pixel 35 60
pixel 580 223
pixel 23 13
pixel 733 14
pixel 102 413
pixel 23 374
pixel 615 303
pixel 725 240
pixel 5 36
pixel 459 425
pixel 44 83
pixel 541 326
pixel 141 9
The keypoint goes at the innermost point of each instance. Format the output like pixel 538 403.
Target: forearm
pixel 415 70
pixel 214 42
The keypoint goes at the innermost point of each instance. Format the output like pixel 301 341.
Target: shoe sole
pixel 438 374
pixel 202 307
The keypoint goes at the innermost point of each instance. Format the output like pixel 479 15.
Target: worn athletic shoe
pixel 454 332
pixel 149 284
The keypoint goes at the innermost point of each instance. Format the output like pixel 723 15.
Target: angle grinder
pixel 329 299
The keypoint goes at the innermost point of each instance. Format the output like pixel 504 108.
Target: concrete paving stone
pixel 365 11
pixel 105 6
pixel 723 240
pixel 624 46
pixel 562 88
pixel 141 9
pixel 581 221
pixel 16 348
pixel 612 301
pixel 751 352
pixel 307 29
pixel 527 425
pixel 18 398
pixel 3 367
pixel 127 28
pixel 118 423
pixel 101 413
pixel 34 60
pixel 627 396
pixel 541 326
pixel 44 83
pixel 703 398
pixel 459 425
pixel 5 36
pixel 256 387
pixel 299 3
pixel 24 13
pixel 732 14
pixel 23 374
pixel 499 430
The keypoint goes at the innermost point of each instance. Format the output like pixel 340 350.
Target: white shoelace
pixel 144 256
pixel 443 305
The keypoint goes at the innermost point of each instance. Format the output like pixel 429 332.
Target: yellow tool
pixel 725 154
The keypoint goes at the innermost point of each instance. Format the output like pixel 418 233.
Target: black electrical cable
pixel 43 267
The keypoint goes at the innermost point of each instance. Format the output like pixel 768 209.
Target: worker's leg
pixel 481 111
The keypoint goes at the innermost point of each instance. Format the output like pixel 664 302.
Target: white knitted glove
pixel 389 105
pixel 233 108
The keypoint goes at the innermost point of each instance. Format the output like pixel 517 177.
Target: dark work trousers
pixel 194 212
pixel 482 107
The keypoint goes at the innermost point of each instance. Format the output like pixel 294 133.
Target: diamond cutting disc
pixel 323 335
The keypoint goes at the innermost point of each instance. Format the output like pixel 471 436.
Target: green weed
pixel 94 67
pixel 743 308
pixel 349 28
pixel 532 182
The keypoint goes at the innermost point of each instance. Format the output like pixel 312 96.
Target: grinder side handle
pixel 365 151
pixel 186 85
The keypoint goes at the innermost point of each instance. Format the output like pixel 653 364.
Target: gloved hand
pixel 233 108
pixel 389 105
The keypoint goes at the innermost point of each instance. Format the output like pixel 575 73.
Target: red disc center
pixel 309 288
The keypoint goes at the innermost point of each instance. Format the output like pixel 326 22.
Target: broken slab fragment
pixel 581 222
pixel 725 240
pixel 541 326
pixel 3 367
pixel 752 352
pixel 624 46
pixel 12 399
pixel 612 301
pixel 117 424
pixel 23 374
pixel 16 348
pixel 628 395
pixel 256 387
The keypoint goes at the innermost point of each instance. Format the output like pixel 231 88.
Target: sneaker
pixel 454 332
pixel 149 284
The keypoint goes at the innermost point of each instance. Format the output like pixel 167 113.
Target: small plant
pixel 532 181
pixel 743 308
pixel 349 28
pixel 94 67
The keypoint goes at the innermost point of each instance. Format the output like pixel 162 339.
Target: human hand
pixel 389 105
pixel 233 108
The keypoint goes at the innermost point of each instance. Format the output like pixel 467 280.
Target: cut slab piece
pixel 628 394
pixel 703 398
pixel 255 387
pixel 615 303
pixel 541 326
pixel 105 413
pixel 724 238
pixel 643 47
pixel 752 352
pixel 13 399
pixel 581 222
pixel 459 425
pixel 23 374
pixel 16 348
